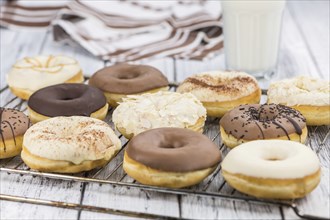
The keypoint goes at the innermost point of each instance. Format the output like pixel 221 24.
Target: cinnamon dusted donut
pixel 269 121
pixel 33 73
pixel 308 95
pixel 170 157
pixel 69 144
pixel 13 125
pixel 276 169
pixel 121 80
pixel 67 99
pixel 222 91
pixel 138 113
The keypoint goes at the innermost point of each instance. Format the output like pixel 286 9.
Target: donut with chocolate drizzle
pixel 13 124
pixel 268 121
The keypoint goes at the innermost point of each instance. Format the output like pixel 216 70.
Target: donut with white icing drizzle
pixel 33 73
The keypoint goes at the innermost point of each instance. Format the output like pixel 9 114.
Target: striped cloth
pixel 123 30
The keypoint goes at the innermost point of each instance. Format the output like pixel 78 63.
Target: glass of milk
pixel 252 33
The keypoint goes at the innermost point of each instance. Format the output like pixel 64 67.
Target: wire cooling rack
pixel 208 188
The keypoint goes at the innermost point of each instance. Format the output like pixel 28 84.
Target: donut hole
pixel 129 76
pixel 69 96
pixel 275 155
pixel 274 159
pixel 172 145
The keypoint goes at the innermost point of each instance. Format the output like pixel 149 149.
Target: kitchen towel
pixel 123 30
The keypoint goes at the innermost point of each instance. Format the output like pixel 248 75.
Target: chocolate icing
pixel 128 79
pixel 67 99
pixel 12 123
pixel 250 122
pixel 173 150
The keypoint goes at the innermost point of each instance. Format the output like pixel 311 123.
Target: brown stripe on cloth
pixel 123 30
pixel 18 14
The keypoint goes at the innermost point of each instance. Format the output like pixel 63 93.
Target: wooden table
pixel 304 50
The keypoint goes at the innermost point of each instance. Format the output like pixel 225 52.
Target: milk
pixel 252 33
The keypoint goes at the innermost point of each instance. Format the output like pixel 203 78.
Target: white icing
pixel 38 72
pixel 139 113
pixel 301 90
pixel 293 160
pixel 75 139
pixel 220 78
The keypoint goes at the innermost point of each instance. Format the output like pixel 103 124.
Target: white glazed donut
pixel 272 169
pixel 138 113
pixel 32 73
pixel 69 144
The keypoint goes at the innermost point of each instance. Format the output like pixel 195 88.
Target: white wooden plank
pixel 131 199
pixel 41 188
pixel 14 211
pixel 313 20
pixel 85 215
pixel 88 63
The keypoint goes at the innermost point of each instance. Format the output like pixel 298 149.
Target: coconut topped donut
pixel 309 96
pixel 301 90
pixel 269 121
pixel 139 113
pixel 33 73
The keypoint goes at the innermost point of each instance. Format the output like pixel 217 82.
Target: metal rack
pixel 208 188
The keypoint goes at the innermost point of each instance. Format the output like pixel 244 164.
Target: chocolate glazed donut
pixel 128 79
pixel 173 150
pixel 67 99
pixel 268 121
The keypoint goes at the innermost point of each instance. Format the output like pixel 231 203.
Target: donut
pixel 121 80
pixel 274 169
pixel 138 113
pixel 222 91
pixel 68 99
pixel 268 121
pixel 69 144
pixel 33 73
pixel 13 125
pixel 308 95
pixel 170 157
